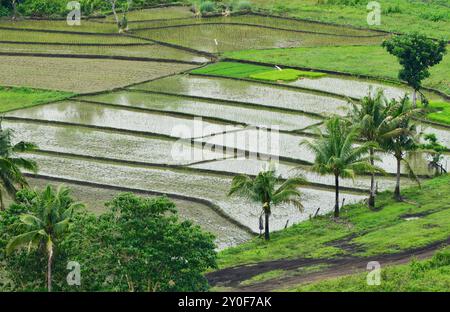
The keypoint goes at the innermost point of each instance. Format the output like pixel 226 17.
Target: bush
pixel 43 8
pixel 244 6
pixel 207 7
pixel 3 11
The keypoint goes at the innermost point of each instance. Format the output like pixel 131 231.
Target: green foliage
pixel 207 7
pixel 244 6
pixel 416 53
pixel 138 245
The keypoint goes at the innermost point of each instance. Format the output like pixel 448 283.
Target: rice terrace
pixel 224 145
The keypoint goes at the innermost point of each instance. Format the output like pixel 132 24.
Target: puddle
pixel 249 92
pixel 255 117
pixel 103 116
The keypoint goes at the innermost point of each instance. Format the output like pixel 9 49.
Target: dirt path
pixel 232 277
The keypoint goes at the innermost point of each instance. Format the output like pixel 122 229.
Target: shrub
pixel 207 7
pixel 42 8
pixel 244 6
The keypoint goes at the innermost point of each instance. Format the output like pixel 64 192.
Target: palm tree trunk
pixel 414 98
pixel 49 270
pixel 372 181
pixel 266 228
pixel 2 204
pixel 336 205
pixel 397 185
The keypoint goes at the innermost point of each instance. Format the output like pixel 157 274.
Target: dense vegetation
pixel 138 245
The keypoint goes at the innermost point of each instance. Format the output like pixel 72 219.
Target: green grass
pixel 429 275
pixel 374 232
pixel 364 60
pixel 429 17
pixel 17 98
pixel 285 75
pixel 257 72
pixel 441 112
pixel 231 69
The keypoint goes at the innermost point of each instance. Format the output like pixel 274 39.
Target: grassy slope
pixel 16 98
pixel 374 232
pixel 429 275
pixel 398 16
pixel 441 112
pixel 365 60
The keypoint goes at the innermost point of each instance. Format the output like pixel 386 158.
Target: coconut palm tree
pixel 336 154
pixel 49 219
pixel 403 137
pixel 10 164
pixel 263 189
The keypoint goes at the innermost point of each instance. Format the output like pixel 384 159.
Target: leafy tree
pixel 416 53
pixel 141 245
pixel 11 163
pixel 336 155
pixel 263 189
pixel 403 138
pixel 48 220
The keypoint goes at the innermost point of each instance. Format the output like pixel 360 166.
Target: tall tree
pixel 51 216
pixel 263 189
pixel 11 163
pixel 336 154
pixel 403 137
pixel 416 54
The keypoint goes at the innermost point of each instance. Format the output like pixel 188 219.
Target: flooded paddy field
pixel 80 75
pixel 99 115
pixel 66 38
pixel 213 188
pixel 232 37
pixel 289 170
pixel 140 50
pixel 246 92
pixel 263 21
pixel 113 145
pixel 287 146
pixel 87 26
pixel 227 234
pixel 205 108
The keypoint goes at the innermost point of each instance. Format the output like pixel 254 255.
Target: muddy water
pixel 103 116
pixel 287 170
pixel 89 142
pixel 226 233
pixel 210 187
pixel 349 87
pixel 249 92
pixel 234 113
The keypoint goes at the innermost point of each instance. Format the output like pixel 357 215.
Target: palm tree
pixel 335 154
pixel 403 137
pixel 370 115
pixel 263 189
pixel 10 164
pixel 50 217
